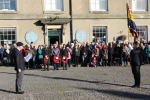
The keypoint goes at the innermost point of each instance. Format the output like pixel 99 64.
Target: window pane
pixel 1 0
pixel 1 37
pixel 2 43
pixel 12 4
pixel 47 1
pixel 13 37
pixel 1 6
pixel 48 7
pixel 13 31
pixel 1 31
pixel 53 6
pixel 13 42
pixel 9 37
pixel 9 31
pixel 7 6
pixel 59 5
pixel 5 31
pixel 92 1
pixel 139 5
pixel 5 37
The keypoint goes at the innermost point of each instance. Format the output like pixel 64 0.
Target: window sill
pixel 99 12
pixel 140 12
pixel 8 12
pixel 54 12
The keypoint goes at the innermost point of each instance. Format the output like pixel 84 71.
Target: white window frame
pixel 98 5
pixel 146 34
pixel 7 34
pixel 51 6
pixel 9 6
pixel 136 9
pixel 103 36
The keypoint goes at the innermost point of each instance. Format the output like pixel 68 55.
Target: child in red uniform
pixel 94 62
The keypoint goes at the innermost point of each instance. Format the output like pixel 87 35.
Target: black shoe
pixel 135 86
pixel 22 92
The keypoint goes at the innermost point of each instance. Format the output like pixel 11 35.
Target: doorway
pixel 54 35
pixel 52 39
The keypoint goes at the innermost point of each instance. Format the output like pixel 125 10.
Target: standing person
pixel 94 62
pixel 19 67
pixel 143 53
pixel 136 62
pixel 46 53
pixel 126 53
pixel 76 52
pixel 64 54
pixel 84 51
pixel 100 55
pixel 60 47
pixel 90 48
pixel 105 55
pixel 69 56
pixel 34 55
pixel 72 55
pixel 51 55
pixel 56 52
pixel 110 55
pixel 23 51
pixel 29 50
pixel 148 53
pixel 68 45
pixel 95 51
pixel 117 52
pixel 39 56
pixel 1 54
pixel 7 54
pixel 57 44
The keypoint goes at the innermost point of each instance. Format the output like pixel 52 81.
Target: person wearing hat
pixel 19 67
pixel 136 62
pixel 68 45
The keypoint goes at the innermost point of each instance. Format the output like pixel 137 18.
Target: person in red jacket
pixel 94 62
pixel 23 51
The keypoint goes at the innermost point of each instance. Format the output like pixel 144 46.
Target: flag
pixel 131 23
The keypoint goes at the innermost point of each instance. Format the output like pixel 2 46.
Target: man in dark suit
pixel 136 62
pixel 19 67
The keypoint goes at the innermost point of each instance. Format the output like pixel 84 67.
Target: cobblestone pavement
pixel 82 83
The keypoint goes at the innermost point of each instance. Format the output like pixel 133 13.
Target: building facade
pixel 49 20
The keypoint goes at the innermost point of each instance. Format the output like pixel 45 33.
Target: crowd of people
pixel 71 54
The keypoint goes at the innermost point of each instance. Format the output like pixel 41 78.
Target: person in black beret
pixel 19 67
pixel 136 62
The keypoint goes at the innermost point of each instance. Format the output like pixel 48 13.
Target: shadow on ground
pixel 120 93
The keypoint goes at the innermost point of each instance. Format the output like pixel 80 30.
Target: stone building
pixel 47 21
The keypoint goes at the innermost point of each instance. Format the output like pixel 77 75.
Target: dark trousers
pixel 105 62
pixel 69 62
pixel 19 79
pixel 110 60
pixel 56 66
pixel 76 61
pixel 84 60
pixel 136 74
pixel 97 59
pixel 60 62
pixel 30 63
pixel 149 60
pixel 45 66
pixel 65 66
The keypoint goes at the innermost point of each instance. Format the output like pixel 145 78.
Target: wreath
pixel 56 60
pixel 46 59
pixel 64 59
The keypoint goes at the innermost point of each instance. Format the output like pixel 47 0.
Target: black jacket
pixel 64 52
pixel 19 60
pixel 136 57
pixel 46 52
pixel 76 53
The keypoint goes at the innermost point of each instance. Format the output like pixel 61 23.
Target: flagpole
pixel 128 36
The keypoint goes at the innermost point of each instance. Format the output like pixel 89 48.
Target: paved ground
pixel 82 83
